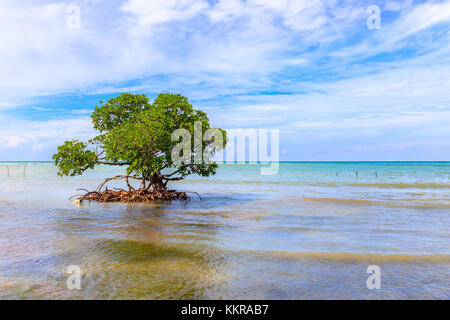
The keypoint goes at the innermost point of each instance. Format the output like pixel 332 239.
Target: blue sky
pixel 335 89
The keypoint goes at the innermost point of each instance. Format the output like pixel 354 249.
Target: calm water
pixel 308 232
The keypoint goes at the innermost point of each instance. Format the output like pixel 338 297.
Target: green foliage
pixel 138 134
pixel 73 158
pixel 117 110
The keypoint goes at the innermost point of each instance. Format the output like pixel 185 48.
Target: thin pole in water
pixel 24 170
pixel 376 174
pixel 7 169
pixel 356 172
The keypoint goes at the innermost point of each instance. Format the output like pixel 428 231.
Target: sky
pixel 335 84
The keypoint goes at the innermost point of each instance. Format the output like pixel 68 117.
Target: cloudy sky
pixel 335 88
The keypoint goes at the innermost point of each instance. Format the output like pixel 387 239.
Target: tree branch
pixel 173 179
pixel 175 172
pixel 114 163
pixel 117 177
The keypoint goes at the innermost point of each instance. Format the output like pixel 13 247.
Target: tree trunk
pixel 159 187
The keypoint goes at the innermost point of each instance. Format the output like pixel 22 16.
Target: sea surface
pixel 308 232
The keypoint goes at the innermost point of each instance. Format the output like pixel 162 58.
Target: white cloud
pixel 13 142
pixel 36 147
pixel 34 135
pixel 299 15
pixel 42 109
pixel 225 10
pixel 397 5
pixel 162 11
pixel 81 111
pixel 7 105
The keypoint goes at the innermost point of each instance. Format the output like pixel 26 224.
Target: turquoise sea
pixel 308 232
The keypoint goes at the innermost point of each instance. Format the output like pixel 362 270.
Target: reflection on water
pixel 304 233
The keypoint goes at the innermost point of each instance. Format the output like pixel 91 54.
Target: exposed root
pixel 133 195
pixel 156 190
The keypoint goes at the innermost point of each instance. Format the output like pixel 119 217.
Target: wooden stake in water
pixel 24 170
pixel 7 169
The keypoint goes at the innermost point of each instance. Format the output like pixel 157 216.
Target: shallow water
pixel 308 232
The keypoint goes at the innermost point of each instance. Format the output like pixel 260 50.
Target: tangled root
pixel 158 191
pixel 134 195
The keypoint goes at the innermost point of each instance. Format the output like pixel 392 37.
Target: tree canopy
pixel 141 136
